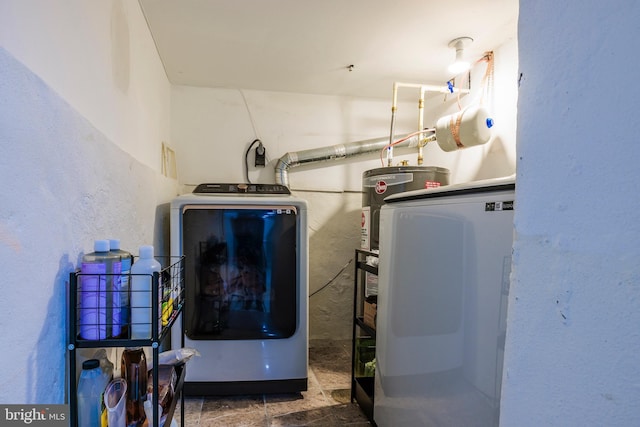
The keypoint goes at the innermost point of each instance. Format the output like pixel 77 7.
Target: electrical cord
pixel 332 279
pixel 246 104
pixel 246 159
pixel 255 132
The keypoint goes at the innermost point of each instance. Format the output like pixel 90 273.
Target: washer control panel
pixel 241 189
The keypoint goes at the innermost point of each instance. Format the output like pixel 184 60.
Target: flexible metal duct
pixel 340 151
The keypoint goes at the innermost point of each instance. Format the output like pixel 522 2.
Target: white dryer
pixel 246 288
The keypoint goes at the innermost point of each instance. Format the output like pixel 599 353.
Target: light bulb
pixel 459 67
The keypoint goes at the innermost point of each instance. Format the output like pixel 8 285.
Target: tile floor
pixel 327 402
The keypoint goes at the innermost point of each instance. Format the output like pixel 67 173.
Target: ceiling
pixel 306 46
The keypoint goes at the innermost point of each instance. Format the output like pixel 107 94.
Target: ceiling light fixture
pixel 461 64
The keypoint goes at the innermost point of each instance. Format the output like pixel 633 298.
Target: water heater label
pixel 498 206
pixel 365 228
pixel 431 184
pixel 388 180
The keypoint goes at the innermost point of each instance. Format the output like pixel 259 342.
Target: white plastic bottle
pixel 126 259
pixel 99 293
pixel 105 364
pixel 91 387
pixel 141 281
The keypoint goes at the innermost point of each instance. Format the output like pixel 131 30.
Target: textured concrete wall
pixel 334 234
pixel 572 345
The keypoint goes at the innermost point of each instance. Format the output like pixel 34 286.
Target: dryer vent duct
pixel 340 151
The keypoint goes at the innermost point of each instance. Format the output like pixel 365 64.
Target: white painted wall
pixel 212 129
pixel 84 107
pixel 100 57
pixel 573 327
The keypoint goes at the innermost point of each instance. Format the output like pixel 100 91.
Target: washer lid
pixel 241 189
pixel 493 184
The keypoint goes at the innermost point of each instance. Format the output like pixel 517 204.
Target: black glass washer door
pixel 241 272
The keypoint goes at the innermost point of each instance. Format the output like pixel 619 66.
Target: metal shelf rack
pixel 167 288
pixel 363 337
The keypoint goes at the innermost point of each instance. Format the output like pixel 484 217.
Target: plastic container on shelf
pixel 133 368
pixel 126 259
pixel 91 387
pixel 148 410
pixel 141 282
pixel 101 356
pixel 107 371
pixel 99 296
pixel 115 401
pixel 105 363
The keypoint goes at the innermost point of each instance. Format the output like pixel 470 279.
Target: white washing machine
pixel 246 288
pixel 443 284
